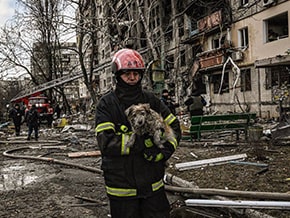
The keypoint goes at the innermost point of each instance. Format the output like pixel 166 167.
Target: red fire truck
pixel 42 104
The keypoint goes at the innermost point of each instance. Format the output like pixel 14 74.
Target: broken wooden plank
pixel 208 162
pixel 84 154
pixel 283 205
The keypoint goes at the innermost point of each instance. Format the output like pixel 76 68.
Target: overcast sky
pixel 6 10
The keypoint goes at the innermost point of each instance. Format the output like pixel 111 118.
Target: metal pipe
pixel 284 205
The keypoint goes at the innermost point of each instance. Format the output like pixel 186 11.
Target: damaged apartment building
pixel 234 52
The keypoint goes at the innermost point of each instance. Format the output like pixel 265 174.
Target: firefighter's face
pixel 131 77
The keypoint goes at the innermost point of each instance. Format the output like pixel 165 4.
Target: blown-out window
pixel 246 80
pixel 217 82
pixel 182 58
pixel 276 27
pixel 277 76
pixel 244 2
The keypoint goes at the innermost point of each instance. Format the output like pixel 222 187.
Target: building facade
pixel 233 52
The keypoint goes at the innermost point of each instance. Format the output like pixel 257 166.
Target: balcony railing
pixel 211 58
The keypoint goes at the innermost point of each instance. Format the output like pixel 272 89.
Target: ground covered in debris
pixel 49 183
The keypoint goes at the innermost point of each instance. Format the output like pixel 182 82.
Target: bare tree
pixel 86 29
pixel 32 42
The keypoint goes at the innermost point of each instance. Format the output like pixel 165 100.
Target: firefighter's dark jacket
pixel 127 173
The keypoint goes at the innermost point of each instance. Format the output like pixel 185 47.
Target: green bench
pixel 221 122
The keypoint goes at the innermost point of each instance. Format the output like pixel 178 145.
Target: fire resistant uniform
pixel 135 173
pixel 16 114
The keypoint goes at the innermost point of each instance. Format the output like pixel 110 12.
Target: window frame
pixel 243 37
pixel 272 31
pixel 216 80
pixel 246 80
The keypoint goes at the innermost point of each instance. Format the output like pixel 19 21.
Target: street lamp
pixel 158 76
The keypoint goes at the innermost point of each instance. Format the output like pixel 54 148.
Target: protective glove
pixel 151 152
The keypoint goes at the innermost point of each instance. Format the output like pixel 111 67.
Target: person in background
pixel 133 176
pixel 84 107
pixel 57 110
pixel 167 100
pixel 16 115
pixel 32 120
pixel 196 104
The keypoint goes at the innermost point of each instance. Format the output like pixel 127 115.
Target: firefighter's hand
pixel 153 154
pixel 148 142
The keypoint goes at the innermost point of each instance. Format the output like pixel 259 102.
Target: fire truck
pixel 42 104
pixel 34 95
pixel 43 107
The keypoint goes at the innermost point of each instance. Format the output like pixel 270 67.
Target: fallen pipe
pixel 283 205
pixel 48 159
pixel 231 193
pixel 180 182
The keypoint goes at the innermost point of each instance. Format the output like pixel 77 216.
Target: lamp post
pixel 158 76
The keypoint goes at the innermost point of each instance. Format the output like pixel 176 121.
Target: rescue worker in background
pixel 32 120
pixel 133 177
pixel 196 107
pixel 57 110
pixel 167 100
pixel 16 115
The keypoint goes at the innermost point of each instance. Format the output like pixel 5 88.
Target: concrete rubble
pixel 76 134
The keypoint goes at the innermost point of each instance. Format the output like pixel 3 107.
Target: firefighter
pixel 133 177
pixel 167 100
pixel 32 120
pixel 16 114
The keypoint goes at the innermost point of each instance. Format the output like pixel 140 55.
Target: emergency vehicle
pixel 42 104
pixel 43 107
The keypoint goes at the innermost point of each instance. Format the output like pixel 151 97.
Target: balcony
pixel 206 25
pixel 210 21
pixel 211 58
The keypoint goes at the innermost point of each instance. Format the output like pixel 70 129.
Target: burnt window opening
pixel 246 83
pixel 195 50
pixel 199 83
pixel 276 27
pixel 244 3
pixel 182 58
pixel 180 27
pixel 143 40
pixel 168 33
pixel 103 54
pixel 216 80
pixel 169 62
pixel 154 18
pixel 166 5
pixel 277 76
pixel 243 37
pixel 217 42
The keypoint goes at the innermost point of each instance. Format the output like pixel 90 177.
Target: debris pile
pixel 213 177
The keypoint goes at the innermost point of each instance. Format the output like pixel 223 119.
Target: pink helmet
pixel 127 59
